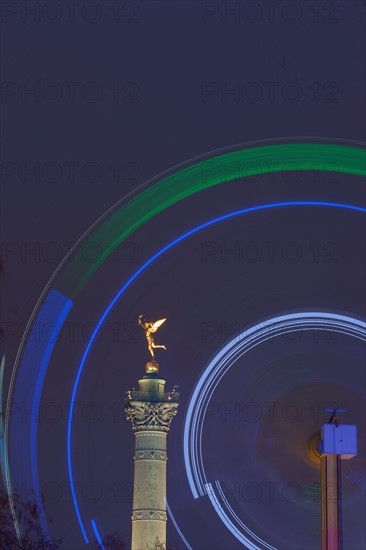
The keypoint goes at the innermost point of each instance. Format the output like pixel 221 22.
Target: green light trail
pixel 192 179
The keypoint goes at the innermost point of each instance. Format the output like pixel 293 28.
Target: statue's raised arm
pixel 149 329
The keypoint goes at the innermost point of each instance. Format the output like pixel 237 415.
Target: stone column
pixel 150 410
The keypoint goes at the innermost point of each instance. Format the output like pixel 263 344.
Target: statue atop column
pixel 150 410
pixel 149 328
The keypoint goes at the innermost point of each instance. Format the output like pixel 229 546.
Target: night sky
pixel 124 91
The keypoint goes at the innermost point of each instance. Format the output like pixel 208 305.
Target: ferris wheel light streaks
pixel 238 520
pixel 116 225
pixel 23 453
pixel 130 281
pixel 213 374
pixel 97 535
pixel 226 521
pixel 179 531
pixel 192 179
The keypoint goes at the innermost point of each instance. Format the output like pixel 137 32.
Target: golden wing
pixel 157 324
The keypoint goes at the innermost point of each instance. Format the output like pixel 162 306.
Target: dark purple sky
pixel 160 71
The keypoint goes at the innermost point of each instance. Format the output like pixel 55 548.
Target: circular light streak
pixel 208 382
pixel 162 251
pixel 121 220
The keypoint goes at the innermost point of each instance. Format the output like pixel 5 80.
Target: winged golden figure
pixel 149 329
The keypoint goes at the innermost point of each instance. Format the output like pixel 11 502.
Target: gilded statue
pixel 149 329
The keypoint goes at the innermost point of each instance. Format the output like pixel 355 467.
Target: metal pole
pixel 330 487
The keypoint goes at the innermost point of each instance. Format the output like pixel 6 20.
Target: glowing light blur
pixel 118 296
pixel 211 377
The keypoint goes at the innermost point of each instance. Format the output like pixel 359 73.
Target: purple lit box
pixel 339 440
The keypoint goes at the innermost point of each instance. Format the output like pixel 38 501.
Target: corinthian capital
pixel 147 416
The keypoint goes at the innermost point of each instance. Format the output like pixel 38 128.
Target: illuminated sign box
pixel 339 440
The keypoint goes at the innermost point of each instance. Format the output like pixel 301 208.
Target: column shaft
pixel 149 508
